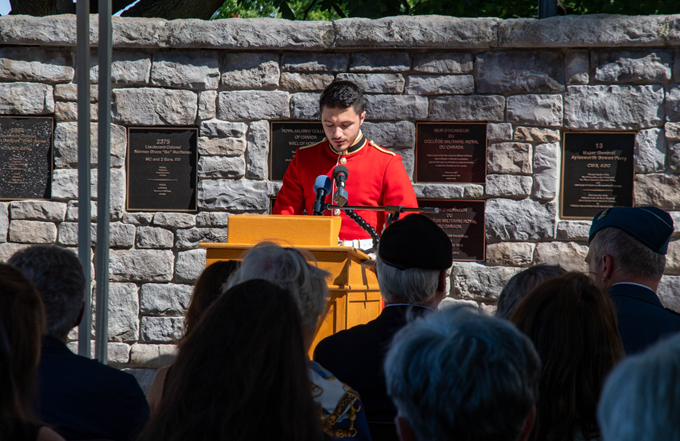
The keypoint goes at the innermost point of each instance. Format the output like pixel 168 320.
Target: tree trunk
pixel 41 8
pixel 171 9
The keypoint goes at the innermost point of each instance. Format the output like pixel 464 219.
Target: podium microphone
pixel 340 174
pixel 322 186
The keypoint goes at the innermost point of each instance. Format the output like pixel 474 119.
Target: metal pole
pixel 103 181
pixel 84 213
pixel 547 8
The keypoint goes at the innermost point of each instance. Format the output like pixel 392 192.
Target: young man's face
pixel 342 126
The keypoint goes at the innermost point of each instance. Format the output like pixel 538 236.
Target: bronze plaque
pixel 463 222
pixel 451 153
pixel 161 169
pixel 25 157
pixel 285 139
pixel 597 173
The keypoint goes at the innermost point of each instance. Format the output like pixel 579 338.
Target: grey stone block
pixel 153 356
pixel 577 67
pixel 162 329
pixel 23 231
pixel 212 219
pixel 380 62
pixel 657 190
pixel 223 129
pixel 440 84
pixel 573 230
pixel 375 83
pixel 521 220
pixel 537 110
pixel 473 281
pixel 8 249
pixel 569 255
pixel 191 238
pixel 448 191
pixel 69 111
pixel 35 64
pixel 128 68
pixel 650 151
pixel 26 99
pixel 443 62
pixel 136 218
pixel 154 107
pixel 672 131
pixel 69 92
pixel 37 210
pixel 314 62
pixel 190 264
pixel 395 107
pixel 154 237
pixel 408 159
pixel 304 82
pixel 535 134
pixel 520 72
pixel 499 132
pixel 510 186
pixel 613 107
pixel 391 134
pixel 509 157
pixel 305 106
pixel 120 235
pixel 4 221
pixel 123 312
pixel 65 187
pixel 66 145
pixel 467 108
pixel 221 146
pixel 251 71
pixel 207 104
pixel 546 171
pixel 253 105
pixel 233 167
pixel 632 66
pixel 141 265
pixel 174 220
pixel 674 156
pixel 510 254
pixel 164 299
pixel 198 70
pixel 673 103
pixel 258 150
pixel 233 195
pixel 668 292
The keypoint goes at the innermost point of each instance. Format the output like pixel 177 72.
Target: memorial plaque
pixel 597 173
pixel 451 153
pixel 463 222
pixel 25 157
pixel 286 138
pixel 161 169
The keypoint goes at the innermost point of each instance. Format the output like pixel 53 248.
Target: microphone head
pixel 340 169
pixel 323 181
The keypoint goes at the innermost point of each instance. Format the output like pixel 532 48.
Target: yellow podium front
pixel 354 295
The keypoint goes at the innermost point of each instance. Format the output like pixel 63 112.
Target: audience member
pixel 413 260
pixel 208 288
pixel 627 257
pixel 79 397
pixel 459 375
pixel 573 326
pixel 521 284
pixel 22 320
pixel 641 398
pixel 241 374
pixel 342 412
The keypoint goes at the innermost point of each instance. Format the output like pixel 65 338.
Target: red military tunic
pixel 376 177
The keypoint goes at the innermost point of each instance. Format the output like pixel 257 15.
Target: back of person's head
pixel 58 275
pixel 574 328
pixel 632 257
pixel 456 374
pixel 22 320
pixel 288 269
pixel 641 399
pixel 208 288
pixel 521 284
pixel 342 95
pixel 241 374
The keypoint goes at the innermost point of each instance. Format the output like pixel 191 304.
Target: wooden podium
pixel 354 295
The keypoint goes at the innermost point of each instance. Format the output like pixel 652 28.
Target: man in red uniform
pixel 376 176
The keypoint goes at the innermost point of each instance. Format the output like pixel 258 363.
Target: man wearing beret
pixel 412 264
pixel 627 256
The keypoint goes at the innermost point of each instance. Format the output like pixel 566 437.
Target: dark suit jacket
pixel 642 319
pixel 84 399
pixel 355 356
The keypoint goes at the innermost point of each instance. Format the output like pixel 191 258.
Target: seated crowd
pixel 568 356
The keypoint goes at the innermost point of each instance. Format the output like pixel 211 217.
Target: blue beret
pixel 415 241
pixel 650 225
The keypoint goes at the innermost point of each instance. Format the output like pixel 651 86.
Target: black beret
pixel 415 242
pixel 650 225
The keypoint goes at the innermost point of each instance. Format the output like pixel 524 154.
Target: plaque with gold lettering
pixel 161 169
pixel 597 173
pixel 25 157
pixel 286 137
pixel 450 153
pixel 463 222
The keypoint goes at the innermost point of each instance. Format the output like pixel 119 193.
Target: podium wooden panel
pixel 354 294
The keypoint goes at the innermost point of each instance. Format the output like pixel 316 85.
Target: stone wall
pixel 530 80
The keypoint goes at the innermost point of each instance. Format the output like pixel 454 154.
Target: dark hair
pixel 342 95
pixel 59 277
pixel 208 288
pixel 521 284
pixel 23 320
pixel 574 329
pixel 241 374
